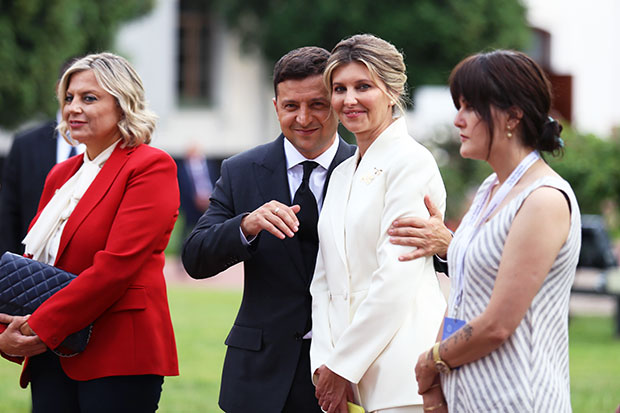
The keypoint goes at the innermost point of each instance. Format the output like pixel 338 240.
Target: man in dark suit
pixel 197 176
pixel 31 157
pixel 250 219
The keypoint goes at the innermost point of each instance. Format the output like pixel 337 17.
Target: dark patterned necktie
pixel 308 217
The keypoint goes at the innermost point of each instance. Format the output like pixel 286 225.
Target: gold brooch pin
pixel 369 178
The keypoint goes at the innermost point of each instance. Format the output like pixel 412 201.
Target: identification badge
pixel 450 326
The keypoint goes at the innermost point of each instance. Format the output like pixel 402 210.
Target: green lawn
pixel 202 318
pixel 594 365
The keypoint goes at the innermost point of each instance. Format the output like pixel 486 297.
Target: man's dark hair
pixel 66 65
pixel 299 64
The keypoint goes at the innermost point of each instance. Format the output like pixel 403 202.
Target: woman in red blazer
pixel 106 216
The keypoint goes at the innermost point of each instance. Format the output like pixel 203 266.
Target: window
pixel 562 85
pixel 540 48
pixel 195 52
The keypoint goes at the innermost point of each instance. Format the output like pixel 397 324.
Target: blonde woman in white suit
pixel 372 312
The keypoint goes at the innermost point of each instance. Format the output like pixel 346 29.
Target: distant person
pixel 371 313
pixel 196 180
pixel 513 258
pixel 32 155
pixel 106 216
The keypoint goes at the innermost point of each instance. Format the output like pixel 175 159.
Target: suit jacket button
pixel 298 336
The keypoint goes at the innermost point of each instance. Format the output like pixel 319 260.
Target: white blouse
pixel 43 239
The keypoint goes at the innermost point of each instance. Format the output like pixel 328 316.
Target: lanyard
pixel 479 215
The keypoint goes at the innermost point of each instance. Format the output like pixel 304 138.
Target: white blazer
pixel 373 315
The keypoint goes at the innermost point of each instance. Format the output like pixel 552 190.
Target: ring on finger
pixel 275 211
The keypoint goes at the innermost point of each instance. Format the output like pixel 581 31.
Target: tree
pixel 37 36
pixel 433 34
pixel 591 166
pixel 461 176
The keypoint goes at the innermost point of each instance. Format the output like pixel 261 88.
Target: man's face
pixel 305 115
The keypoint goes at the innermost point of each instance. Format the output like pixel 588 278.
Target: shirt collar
pixel 102 157
pixel 294 158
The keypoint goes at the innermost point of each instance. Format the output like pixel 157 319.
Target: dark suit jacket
pixel 31 157
pixel 265 343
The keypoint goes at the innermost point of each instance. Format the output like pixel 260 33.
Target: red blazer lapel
pixel 60 177
pixel 93 194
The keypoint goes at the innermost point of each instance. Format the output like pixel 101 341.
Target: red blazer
pixel 115 240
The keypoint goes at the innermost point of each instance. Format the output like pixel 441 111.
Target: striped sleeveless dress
pixel 529 372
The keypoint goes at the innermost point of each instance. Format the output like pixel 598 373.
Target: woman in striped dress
pixel 504 342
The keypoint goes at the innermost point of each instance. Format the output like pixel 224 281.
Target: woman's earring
pixel 509 133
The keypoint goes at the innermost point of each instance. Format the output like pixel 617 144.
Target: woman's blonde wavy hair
pixel 381 58
pixel 117 77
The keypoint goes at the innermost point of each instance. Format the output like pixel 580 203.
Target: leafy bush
pixel 37 36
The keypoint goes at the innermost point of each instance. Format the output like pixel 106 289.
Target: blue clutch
pixel 25 284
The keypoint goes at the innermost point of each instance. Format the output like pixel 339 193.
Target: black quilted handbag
pixel 25 284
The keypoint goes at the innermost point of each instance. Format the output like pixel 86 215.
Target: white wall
pixel 149 44
pixel 239 118
pixel 433 110
pixel 585 43
pixel 241 115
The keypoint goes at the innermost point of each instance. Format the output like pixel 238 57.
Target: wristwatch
pixel 440 365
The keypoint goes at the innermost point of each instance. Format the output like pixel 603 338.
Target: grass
pixel 594 365
pixel 202 318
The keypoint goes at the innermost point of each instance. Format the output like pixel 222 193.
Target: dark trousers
pixel 54 392
pixel 301 397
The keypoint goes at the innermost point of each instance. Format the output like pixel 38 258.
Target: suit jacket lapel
pixel 270 173
pixel 94 193
pixel 344 152
pixel 341 192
